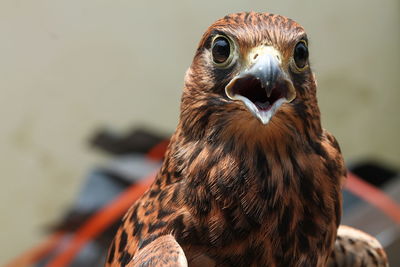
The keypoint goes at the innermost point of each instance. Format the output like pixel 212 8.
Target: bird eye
pixel 221 51
pixel 301 54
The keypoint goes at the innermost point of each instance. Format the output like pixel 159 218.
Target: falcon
pixel 250 178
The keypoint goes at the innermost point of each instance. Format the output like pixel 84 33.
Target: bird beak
pixel 262 86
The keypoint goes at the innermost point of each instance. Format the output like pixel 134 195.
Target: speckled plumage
pixel 354 248
pixel 233 191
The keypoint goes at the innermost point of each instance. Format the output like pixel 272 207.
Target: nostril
pixel 255 56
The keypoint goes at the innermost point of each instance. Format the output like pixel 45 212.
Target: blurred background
pixel 68 68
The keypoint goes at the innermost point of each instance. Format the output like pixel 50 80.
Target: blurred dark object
pixel 375 173
pixel 137 140
pixel 360 214
pixel 129 164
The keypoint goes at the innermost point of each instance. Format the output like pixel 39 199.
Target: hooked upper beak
pixel 263 87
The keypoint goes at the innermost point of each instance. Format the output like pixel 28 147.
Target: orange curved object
pixel 374 196
pixel 95 225
pixel 101 220
pixel 158 151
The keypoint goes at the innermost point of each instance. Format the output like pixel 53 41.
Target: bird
pixel 250 177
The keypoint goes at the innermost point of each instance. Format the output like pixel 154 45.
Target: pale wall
pixel 68 67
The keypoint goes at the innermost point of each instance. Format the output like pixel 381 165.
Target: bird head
pixel 255 66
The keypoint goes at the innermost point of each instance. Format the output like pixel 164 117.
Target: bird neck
pixel 226 169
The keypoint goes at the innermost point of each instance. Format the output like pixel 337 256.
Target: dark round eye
pixel 300 54
pixel 221 50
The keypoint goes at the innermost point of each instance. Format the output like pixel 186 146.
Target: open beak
pixel 263 87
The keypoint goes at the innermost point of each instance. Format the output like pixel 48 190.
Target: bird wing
pixel 163 251
pixel 354 248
